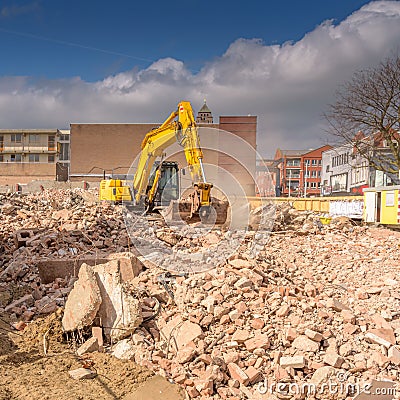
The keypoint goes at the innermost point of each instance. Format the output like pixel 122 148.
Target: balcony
pixel 293 174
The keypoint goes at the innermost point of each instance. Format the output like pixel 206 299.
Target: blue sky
pixel 58 39
pixel 124 61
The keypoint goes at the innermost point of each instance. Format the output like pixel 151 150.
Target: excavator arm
pixel 179 127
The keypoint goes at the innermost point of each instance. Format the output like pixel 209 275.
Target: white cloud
pixel 11 11
pixel 288 86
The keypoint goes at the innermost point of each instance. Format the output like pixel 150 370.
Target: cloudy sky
pixel 68 61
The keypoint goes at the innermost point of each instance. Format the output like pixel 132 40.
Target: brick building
pixel 300 171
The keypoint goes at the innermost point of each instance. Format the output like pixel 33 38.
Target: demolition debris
pixel 318 303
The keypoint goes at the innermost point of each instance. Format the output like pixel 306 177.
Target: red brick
pixel 260 341
pixel 238 374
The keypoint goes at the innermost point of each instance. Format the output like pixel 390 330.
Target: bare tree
pixel 366 115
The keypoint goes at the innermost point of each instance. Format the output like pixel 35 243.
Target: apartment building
pixel 299 171
pixel 29 154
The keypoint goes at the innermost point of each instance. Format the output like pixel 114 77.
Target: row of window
pixel 296 174
pixel 296 162
pixel 33 158
pixel 308 185
pixel 360 174
pixel 314 174
pixel 33 138
pixel 313 162
pixel 340 159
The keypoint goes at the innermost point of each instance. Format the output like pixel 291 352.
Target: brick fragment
pixel 238 374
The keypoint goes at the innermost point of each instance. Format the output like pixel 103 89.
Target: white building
pixel 343 171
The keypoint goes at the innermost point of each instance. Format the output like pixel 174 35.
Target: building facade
pixel 28 154
pixel 289 171
pixel 344 171
pixel 266 178
pixel 299 171
pixel 312 171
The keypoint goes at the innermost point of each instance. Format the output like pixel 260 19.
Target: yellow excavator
pixel 179 127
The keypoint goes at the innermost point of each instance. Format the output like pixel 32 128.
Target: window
pixel 319 162
pixel 307 162
pixel 16 157
pixel 293 163
pixel 64 138
pixel 16 138
pixel 319 185
pixel 50 158
pixel 294 185
pixel 292 173
pixel 33 138
pixel 51 143
pixel 307 174
pixel 33 158
pixel 1 142
pixel 313 185
pixel 319 174
pixel 64 151
pixel 1 158
pixel 314 162
pixel 313 174
pixel 327 168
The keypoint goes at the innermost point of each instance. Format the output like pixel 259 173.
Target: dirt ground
pixel 27 373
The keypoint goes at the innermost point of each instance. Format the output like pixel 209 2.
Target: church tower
pixel 204 116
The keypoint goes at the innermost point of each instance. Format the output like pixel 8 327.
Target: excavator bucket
pixel 181 211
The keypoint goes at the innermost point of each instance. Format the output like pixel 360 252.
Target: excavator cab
pixel 167 188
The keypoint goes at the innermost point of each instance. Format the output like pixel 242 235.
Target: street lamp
pixel 305 180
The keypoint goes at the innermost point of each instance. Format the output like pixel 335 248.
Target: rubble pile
pixel 311 308
pixel 54 225
pixel 317 303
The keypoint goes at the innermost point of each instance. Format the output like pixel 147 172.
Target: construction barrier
pixel 347 206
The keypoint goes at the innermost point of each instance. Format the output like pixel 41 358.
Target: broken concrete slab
pixel 83 302
pixel 51 269
pixel 119 312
